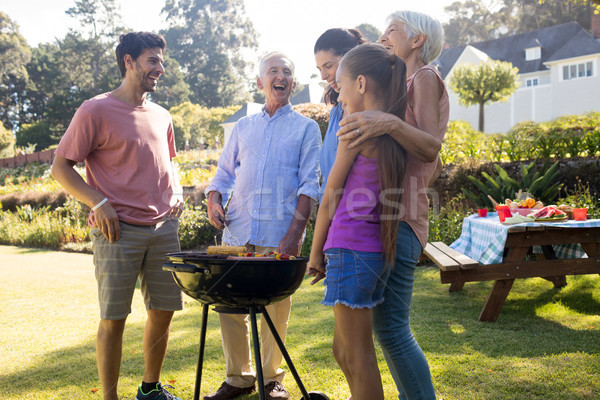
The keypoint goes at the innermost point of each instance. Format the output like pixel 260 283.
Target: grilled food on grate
pixel 229 250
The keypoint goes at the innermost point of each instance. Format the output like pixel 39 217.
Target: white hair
pixel 416 24
pixel 262 69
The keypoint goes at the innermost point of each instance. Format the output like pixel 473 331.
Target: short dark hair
pixel 134 43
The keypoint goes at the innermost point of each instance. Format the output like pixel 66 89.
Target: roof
pixel 310 93
pixel 247 109
pixel 557 42
pixel 582 44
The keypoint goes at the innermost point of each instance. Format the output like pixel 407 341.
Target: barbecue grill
pixel 243 285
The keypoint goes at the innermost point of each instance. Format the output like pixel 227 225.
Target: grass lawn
pixel 545 344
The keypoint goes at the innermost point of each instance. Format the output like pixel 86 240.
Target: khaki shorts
pixel 140 252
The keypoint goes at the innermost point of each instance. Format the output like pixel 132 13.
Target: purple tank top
pixel 355 225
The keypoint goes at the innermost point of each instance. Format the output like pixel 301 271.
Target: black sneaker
pixel 159 393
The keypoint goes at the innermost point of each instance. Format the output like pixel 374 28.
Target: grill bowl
pixel 240 282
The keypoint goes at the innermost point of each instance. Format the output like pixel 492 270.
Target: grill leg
pixel 201 352
pixel 288 360
pixel 257 358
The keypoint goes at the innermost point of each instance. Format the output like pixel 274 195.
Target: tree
pixel 37 134
pixel 369 32
pixel 478 20
pixel 535 14
pixel 14 55
pixel 207 38
pixel 87 68
pixel 172 89
pixel 102 18
pixel 487 82
pixel 7 142
pixel 82 65
pixel 43 71
pixel 472 21
pixel 198 125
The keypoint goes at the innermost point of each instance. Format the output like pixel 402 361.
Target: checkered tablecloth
pixel 483 239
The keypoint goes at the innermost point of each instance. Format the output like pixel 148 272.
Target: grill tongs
pixel 234 240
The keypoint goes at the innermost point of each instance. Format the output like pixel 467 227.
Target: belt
pixel 139 225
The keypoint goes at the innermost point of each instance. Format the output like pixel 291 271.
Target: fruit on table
pixel 527 203
pixel 547 212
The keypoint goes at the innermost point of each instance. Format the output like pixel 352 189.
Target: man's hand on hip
pixel 108 222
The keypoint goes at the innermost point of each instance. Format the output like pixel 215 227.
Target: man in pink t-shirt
pixel 127 144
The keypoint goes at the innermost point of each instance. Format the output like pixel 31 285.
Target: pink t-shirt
pixel 418 173
pixel 127 152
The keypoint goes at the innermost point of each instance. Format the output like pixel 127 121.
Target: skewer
pixel 494 202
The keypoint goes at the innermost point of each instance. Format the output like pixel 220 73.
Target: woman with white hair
pixel 417 39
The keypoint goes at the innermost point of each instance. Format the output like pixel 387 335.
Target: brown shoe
pixel 226 392
pixel 275 391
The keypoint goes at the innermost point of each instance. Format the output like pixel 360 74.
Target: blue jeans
pixel 391 324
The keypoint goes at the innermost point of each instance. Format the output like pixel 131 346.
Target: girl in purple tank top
pixel 357 221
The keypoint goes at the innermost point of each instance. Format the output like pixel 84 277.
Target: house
pixel 247 109
pixel 558 69
pixel 310 93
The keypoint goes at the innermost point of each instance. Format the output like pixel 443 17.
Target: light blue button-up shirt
pixel 267 163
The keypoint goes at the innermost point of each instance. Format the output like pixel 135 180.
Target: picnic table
pixel 489 250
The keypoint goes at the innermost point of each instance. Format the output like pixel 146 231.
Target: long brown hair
pixel 389 74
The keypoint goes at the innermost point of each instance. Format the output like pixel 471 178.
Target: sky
pixel 291 26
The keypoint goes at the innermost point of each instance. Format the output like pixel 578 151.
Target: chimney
pixel 596 25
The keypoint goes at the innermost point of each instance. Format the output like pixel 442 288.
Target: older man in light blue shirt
pixel 269 169
pixel 272 162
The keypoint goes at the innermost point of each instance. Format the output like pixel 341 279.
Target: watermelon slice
pixel 548 213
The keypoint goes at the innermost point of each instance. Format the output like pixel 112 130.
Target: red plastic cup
pixel 482 212
pixel 580 214
pixel 503 212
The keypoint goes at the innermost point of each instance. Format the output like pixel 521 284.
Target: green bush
pixel 317 112
pixel 306 245
pixel 567 136
pixel 581 197
pixel 457 134
pixel 195 230
pixel 45 229
pixel 572 133
pixel 446 225
pixel 541 185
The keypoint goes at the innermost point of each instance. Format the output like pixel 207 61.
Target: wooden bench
pixel 448 259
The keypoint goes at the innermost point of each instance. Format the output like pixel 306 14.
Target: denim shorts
pixel 355 279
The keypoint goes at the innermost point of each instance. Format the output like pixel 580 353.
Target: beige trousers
pixel 235 334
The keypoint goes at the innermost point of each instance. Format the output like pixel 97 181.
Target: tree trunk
pixel 481 117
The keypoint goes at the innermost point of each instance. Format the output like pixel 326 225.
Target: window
pixel 533 53
pixel 532 82
pixel 580 70
pixel 589 68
